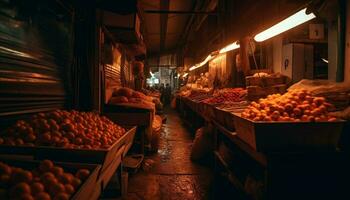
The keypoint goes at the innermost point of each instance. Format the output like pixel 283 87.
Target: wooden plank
pixel 230 175
pixel 288 136
pixel 87 190
pixel 90 156
pixel 107 174
pixel 257 156
pixel 130 118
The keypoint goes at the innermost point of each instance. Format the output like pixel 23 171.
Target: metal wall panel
pixel 35 56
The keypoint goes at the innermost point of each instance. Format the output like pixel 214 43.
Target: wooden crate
pixel 288 136
pixel 224 118
pixel 265 81
pixel 256 92
pixel 253 71
pixel 89 189
pixel 131 118
pixel 91 156
pixel 208 112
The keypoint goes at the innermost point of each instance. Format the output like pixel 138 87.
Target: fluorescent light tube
pixel 201 63
pixel 289 23
pixel 229 47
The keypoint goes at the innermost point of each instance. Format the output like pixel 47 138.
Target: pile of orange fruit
pixel 47 181
pixel 67 129
pixel 298 105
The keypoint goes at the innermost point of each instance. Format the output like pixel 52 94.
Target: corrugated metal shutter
pixel 113 71
pixel 113 74
pixel 127 76
pixel 35 55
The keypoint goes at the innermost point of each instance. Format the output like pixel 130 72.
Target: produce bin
pixel 224 118
pixel 103 157
pixel 289 136
pixel 89 189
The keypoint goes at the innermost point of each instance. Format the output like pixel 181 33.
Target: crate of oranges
pixel 68 136
pixel 293 121
pixel 47 180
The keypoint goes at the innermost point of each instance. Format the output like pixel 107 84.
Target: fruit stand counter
pixel 109 159
pixel 70 136
pixel 141 118
pixel 191 114
pixel 48 180
pixel 315 174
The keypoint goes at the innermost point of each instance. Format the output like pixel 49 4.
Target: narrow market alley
pixel 171 175
pixel 174 100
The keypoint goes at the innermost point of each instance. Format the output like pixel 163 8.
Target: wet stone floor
pixel 170 173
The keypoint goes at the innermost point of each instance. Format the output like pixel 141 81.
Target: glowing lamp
pixel 229 47
pixel 289 23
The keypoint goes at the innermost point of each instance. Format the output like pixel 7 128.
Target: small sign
pixel 316 31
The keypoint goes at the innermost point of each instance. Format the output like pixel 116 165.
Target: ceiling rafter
pixel 164 5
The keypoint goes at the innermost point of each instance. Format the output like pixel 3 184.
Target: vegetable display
pixel 227 95
pixel 67 129
pixel 294 106
pixel 47 181
pixel 199 95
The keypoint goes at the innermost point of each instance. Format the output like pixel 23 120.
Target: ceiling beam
pixel 145 32
pixel 180 12
pixel 164 5
pixel 184 38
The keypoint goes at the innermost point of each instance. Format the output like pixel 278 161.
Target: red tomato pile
pixel 67 129
pixel 46 182
pixel 227 95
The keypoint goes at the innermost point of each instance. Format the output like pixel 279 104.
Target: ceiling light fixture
pixel 289 23
pixel 230 47
pixel 201 63
pixel 185 75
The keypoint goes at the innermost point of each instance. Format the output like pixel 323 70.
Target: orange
pixel 76 182
pixel 37 187
pixel 61 196
pixel 42 196
pixel 20 189
pixel 82 174
pixel 69 188
pixel 57 171
pixel 46 165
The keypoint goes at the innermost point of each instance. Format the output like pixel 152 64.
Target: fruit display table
pixel 48 180
pixel 74 137
pixel 269 150
pixel 279 175
pixel 103 157
pixel 141 118
pixel 190 114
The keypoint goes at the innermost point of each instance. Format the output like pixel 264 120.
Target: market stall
pixel 260 108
